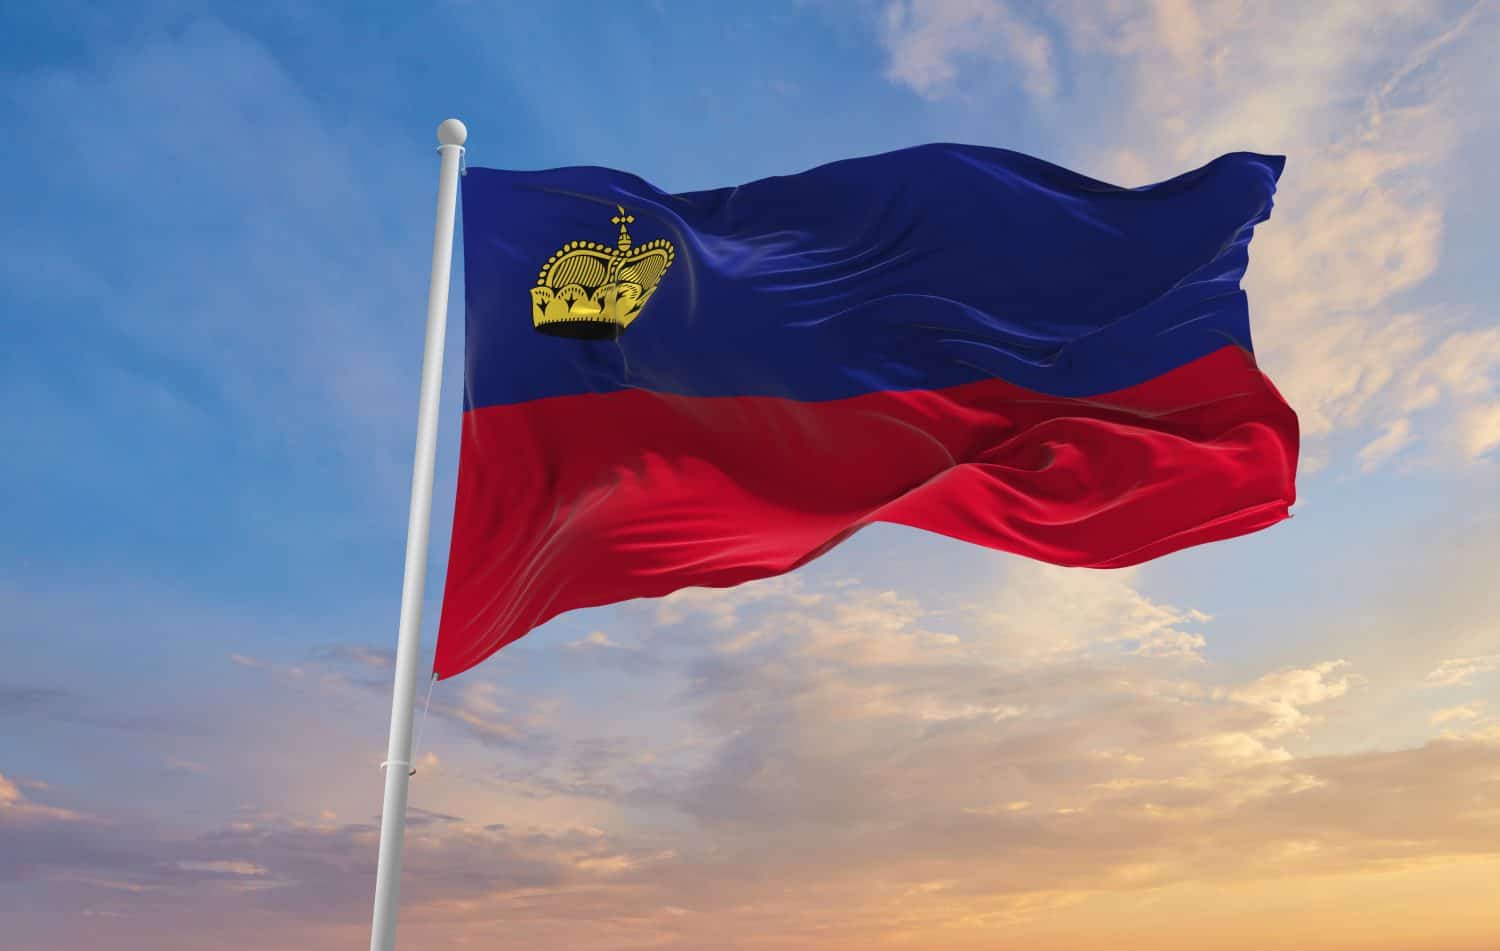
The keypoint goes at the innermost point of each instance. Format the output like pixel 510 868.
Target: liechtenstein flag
pixel 706 388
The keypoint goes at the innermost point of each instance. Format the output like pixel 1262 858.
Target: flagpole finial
pixel 452 132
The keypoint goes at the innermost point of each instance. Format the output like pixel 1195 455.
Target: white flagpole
pixel 397 765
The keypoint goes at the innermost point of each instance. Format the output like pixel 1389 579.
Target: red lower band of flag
pixel 579 501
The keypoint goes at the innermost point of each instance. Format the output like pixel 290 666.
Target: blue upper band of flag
pixel 924 268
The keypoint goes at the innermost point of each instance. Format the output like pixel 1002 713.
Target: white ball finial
pixel 452 132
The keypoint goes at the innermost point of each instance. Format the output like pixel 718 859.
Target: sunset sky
pixel 214 253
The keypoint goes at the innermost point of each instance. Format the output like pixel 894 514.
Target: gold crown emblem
pixel 590 291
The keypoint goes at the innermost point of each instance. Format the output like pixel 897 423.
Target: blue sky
pixel 213 267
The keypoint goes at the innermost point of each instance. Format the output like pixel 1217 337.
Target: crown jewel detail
pixel 591 291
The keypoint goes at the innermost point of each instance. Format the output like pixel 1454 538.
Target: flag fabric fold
pixel 701 389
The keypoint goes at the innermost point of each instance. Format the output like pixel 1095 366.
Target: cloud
pixel 721 608
pixel 1480 430
pixel 852 761
pixel 64 706
pixel 1282 696
pixel 1089 772
pixel 827 749
pixel 860 627
pixel 597 649
pixel 222 867
pixel 17 699
pixel 360 654
pixel 16 808
pixel 1396 436
pixel 1042 610
pixel 1462 713
pixel 274 881
pixel 595 639
pixel 928 42
pixel 891 783
pixel 496 715
pixel 1458 671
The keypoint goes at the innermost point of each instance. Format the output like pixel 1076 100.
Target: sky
pixel 214 255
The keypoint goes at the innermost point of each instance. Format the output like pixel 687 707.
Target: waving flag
pixel 701 389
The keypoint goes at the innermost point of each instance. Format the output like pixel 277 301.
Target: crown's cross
pixel 622 220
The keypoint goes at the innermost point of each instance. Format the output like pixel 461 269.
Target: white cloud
pixel 846 763
pixel 1480 430
pixel 866 628
pixel 16 807
pixel 1396 436
pixel 721 607
pixel 929 39
pixel 1458 671
pixel 1105 769
pixel 1281 696
pixel 1462 713
pixel 222 867
pixel 1040 610
pixel 595 639
pixel 1284 692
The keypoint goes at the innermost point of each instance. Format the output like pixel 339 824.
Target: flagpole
pixel 397 765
